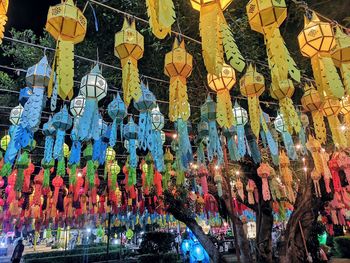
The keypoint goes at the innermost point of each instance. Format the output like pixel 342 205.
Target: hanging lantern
pixel 267 137
pixel 341 56
pixel 222 84
pixel 168 160
pixel 316 41
pixel 4 4
pixel 208 115
pixel 129 47
pixel 241 118
pixel 110 154
pixel 145 104
pixel 37 77
pixel 67 25
pixel 280 126
pixel 65 150
pixel 252 85
pixel 5 140
pixel 264 171
pixel 178 66
pixel 161 16
pixel 93 87
pixel 216 36
pixel 313 102
pixel 287 176
pixel 231 135
pixel 131 131
pixel 24 95
pixel 157 144
pixel 49 131
pixel 16 114
pixel 77 106
pixel 117 111
pixel 330 110
pixel 265 17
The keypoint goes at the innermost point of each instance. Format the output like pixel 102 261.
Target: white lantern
pixel 93 85
pixel 280 124
pixel 15 115
pixel 157 119
pixel 77 106
pixel 162 135
pixel 240 115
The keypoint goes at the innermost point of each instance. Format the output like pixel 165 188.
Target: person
pixel 17 253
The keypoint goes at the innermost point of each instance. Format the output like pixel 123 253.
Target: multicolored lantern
pixel 216 36
pixel 281 126
pixel 312 101
pixel 4 4
pixel 317 41
pixel 161 14
pixel 117 111
pixel 157 144
pixel 178 66
pixel 145 104
pixel 129 47
pixel 241 118
pixel 222 84
pixel 67 25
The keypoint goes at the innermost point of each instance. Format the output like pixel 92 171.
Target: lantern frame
pixel 224 81
pixel 94 85
pixel 16 114
pixel 240 115
pixel 77 106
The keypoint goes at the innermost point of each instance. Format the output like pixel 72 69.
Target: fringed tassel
pixel 58 148
pixel 214 146
pixel 21 164
pixel 133 155
pixel 75 152
pixel 232 149
pixel 90 173
pixel 3 20
pixel 131 80
pixel 31 115
pixel 161 15
pixel 289 145
pixel 157 150
pixel 345 72
pixel 86 121
pixel 178 99
pixel 241 140
pixel 254 114
pixel 319 126
pixel 337 136
pixel 265 189
pixel 49 142
pixel 290 116
pixel 224 114
pixel 330 77
pixel 145 131
pixel 65 68
pixel 185 147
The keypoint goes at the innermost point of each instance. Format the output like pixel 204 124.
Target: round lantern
pixel 110 154
pixel 5 142
pixel 15 115
pixel 279 123
pixel 157 119
pixel 114 168
pixel 129 234
pixel 62 120
pixel 65 150
pixel 283 90
pixel 197 4
pixel 252 83
pixel 186 245
pixel 197 252
pixel 93 85
pixel 240 115
pixel 147 101
pixel 224 81
pixel 203 129
pixel 311 99
pixel 331 107
pixel 316 37
pixel 77 106
pixel 208 110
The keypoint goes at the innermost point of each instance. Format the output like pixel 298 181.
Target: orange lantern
pixel 178 66
pixel 4 4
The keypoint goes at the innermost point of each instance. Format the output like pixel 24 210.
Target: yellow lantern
pixel 4 4
pixel 313 102
pixel 345 110
pixel 178 66
pixel 129 47
pixel 65 150
pixel 287 176
pixel 216 36
pixel 341 56
pixel 161 16
pixel 67 24
pixel 5 142
pixel 265 16
pixel 252 85
pixel 316 41
pixel 331 109
pixel 110 154
pixel 222 85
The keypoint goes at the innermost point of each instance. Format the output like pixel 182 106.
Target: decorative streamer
pixel 216 36
pixel 208 114
pixel 4 4
pixel 184 153
pixel 49 131
pixel 145 104
pixel 117 111
pixel 218 181
pixel 21 164
pixel 90 166
pixel 62 122
pixel 241 119
pixel 157 142
pixel 129 47
pixel 161 16
pixel 287 176
pixel 131 131
pixel 264 172
pixel 281 127
pixel 317 41
pixel 94 88
pixel 230 134
pixel 67 24
pixel 168 160
pixel 252 145
pixel 178 66
pixel 302 134
pixel 252 85
pixel 101 143
pixel 265 133
pixel 265 17
pixel 345 110
pixel 202 138
pixel 222 83
pixel 250 190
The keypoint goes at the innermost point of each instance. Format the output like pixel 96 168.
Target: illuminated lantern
pixel 129 47
pixel 4 4
pixel 252 85
pixel 197 252
pixel 265 16
pixel 117 111
pixel 280 126
pixel 264 171
pixel 185 246
pixel 110 154
pixel 67 25
pixel 316 41
pixel 345 110
pixel 287 176
pixel 161 14
pixel 77 106
pixel 341 56
pixel 114 169
pixel 330 110
pixel 313 102
pixel 5 140
pixel 178 66
pixel 241 119
pixel 157 144
pixel 218 181
pixel 216 36
pixel 222 84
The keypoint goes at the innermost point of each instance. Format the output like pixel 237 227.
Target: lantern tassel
pixel 90 173
pixel 290 115
pixel 210 31
pixel 345 72
pixel 132 152
pixel 161 21
pixel 49 143
pixel 232 149
pixel 85 122
pixel 337 135
pixel 3 20
pixel 58 148
pixel 65 68
pixel 114 133
pixel 31 116
pixel 347 123
pixel 200 154
pixel 178 99
pixel 241 140
pixel 131 176
pixel 319 126
pixel 157 150
pixel 184 143
pixel 289 145
pixel 214 146
pixel 145 130
pixel 254 114
pixel 74 157
pixel 131 81
pixel 224 114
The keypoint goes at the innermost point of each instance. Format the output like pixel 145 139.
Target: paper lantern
pixel 264 171
pixel 77 106
pixel 216 36
pixel 222 85
pixel 16 114
pixel 129 47
pixel 93 85
pixel 66 150
pixel 5 140
pixel 117 111
pixel 316 41
pixel 24 95
pixel 240 115
pixel 281 126
pixel 313 102
pixel 178 66
pixel 3 17
pixel 131 133
pixel 67 25
pixel 287 176
pixel 157 119
pixel 241 118
pixel 114 168
pixel 157 140
pixel 110 154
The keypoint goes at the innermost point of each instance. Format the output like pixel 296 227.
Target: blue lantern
pixel 241 119
pixel 281 127
pixel 24 95
pixel 117 111
pixel 230 134
pixel 197 251
pixel 157 144
pixel 100 145
pixel 49 131
pixel 130 134
pixel 267 137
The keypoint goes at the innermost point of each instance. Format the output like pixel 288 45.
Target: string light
pixel 217 167
pixel 343 127
pixel 298 146
pixel 237 173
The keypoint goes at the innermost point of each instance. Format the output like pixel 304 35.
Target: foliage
pixel 156 242
pixel 7 83
pixel 313 243
pixel 342 245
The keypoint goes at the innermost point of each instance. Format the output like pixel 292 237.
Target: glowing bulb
pixel 237 172
pixel 195 166
pixel 303 159
pixel 79 174
pixel 343 127
pixel 305 169
pixel 217 167
pixel 323 149
pixel 174 136
pixel 298 146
